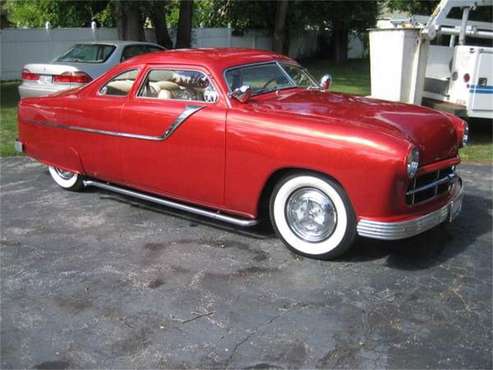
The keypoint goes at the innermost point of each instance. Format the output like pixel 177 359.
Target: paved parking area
pixel 94 280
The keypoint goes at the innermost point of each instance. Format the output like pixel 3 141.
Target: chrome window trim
pixel 182 117
pixel 305 71
pixel 211 81
pixel 286 74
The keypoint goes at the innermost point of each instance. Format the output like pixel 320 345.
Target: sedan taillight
pixel 72 77
pixel 27 75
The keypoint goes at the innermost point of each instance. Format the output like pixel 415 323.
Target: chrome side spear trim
pixel 189 110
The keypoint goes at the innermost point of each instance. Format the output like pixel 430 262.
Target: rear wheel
pixel 312 215
pixel 66 179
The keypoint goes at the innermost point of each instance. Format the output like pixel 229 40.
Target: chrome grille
pixel 430 185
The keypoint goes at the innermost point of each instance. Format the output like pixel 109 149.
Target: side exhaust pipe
pixel 172 204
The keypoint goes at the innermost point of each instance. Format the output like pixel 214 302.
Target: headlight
pixel 412 162
pixel 465 137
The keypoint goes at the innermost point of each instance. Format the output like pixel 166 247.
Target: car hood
pixel 430 130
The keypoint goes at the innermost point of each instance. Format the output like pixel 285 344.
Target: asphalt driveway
pixel 95 280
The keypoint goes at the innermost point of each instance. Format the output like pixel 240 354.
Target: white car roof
pixel 117 43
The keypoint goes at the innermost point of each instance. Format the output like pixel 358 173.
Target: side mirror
pixel 325 82
pixel 242 94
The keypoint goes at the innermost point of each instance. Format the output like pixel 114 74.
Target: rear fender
pixel 65 158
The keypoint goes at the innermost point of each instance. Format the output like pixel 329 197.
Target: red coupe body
pixel 228 154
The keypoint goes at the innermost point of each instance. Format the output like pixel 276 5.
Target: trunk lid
pixel 53 69
pixel 50 69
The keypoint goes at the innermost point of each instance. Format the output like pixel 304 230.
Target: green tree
pixel 60 13
pixel 157 12
pixel 4 22
pixel 422 7
pixel 282 19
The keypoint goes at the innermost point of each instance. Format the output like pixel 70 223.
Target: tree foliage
pixel 422 7
pixel 336 18
pixel 60 13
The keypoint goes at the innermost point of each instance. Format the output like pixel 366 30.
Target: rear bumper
pixel 34 90
pixel 415 226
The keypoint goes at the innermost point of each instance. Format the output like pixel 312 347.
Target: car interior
pixel 178 85
pixel 165 85
pixel 120 85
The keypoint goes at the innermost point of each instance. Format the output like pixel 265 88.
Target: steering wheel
pixel 268 83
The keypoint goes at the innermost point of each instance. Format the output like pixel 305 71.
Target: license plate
pixel 454 209
pixel 45 79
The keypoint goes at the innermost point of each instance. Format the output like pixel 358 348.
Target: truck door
pixel 481 102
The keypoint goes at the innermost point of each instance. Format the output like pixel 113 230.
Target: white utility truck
pixel 457 77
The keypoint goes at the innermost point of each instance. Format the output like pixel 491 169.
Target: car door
pixel 178 125
pixel 96 119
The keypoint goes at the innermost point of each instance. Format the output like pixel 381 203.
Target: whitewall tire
pixel 312 215
pixel 66 179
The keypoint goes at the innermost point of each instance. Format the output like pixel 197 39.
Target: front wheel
pixel 66 179
pixel 312 215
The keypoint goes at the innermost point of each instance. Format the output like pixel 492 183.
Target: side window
pixel 134 50
pixel 121 84
pixel 168 84
pixel 152 49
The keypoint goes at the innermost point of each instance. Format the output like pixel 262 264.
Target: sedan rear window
pixel 88 53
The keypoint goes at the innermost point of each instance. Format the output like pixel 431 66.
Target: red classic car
pixel 243 135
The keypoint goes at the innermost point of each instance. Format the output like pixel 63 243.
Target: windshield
pixel 87 53
pixel 268 77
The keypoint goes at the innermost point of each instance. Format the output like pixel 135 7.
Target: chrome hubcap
pixel 311 215
pixel 66 175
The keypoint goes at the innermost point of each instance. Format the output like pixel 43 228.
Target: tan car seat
pixel 166 89
pixel 119 87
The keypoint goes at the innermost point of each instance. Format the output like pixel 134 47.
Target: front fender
pixel 368 164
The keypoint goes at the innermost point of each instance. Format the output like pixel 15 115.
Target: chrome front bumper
pixel 406 229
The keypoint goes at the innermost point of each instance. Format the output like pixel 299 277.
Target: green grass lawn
pixel 480 147
pixel 352 78
pixel 8 117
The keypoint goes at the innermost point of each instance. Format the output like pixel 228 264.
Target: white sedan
pixel 79 65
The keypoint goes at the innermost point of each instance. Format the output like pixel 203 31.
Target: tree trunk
pixel 184 35
pixel 121 20
pixel 279 36
pixel 130 23
pixel 135 22
pixel 158 18
pixel 340 41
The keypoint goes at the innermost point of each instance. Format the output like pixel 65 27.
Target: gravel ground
pixel 95 280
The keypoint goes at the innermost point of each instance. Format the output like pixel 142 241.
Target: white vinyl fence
pixel 38 45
